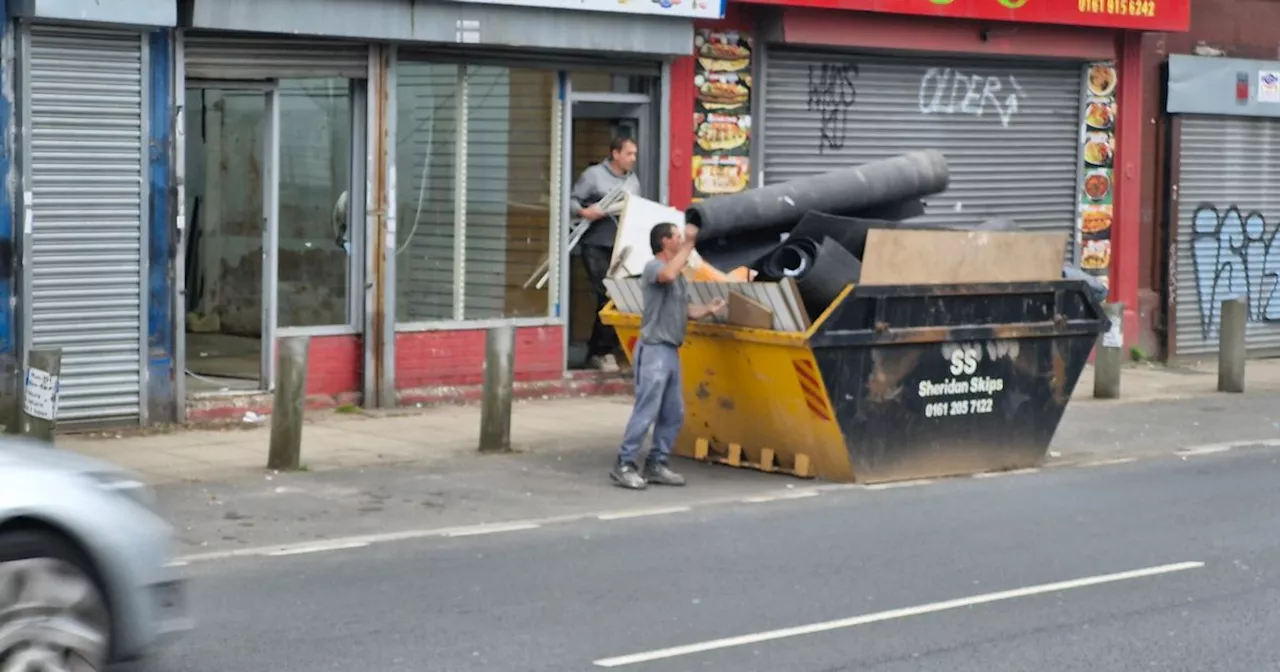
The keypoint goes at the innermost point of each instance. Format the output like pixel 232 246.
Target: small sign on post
pixel 1109 356
pixel 40 394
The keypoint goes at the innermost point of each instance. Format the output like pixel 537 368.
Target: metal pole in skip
pixel 1109 357
pixel 499 382
pixel 1231 345
pixel 40 394
pixel 289 405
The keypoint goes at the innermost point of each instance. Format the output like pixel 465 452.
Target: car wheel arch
pixel 37 524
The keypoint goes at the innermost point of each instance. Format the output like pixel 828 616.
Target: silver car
pixel 85 571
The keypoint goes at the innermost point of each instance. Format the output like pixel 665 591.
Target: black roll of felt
pixel 822 270
pixel 782 205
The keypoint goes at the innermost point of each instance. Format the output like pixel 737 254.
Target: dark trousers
pixel 595 259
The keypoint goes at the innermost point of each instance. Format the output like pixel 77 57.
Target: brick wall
pixel 335 365
pixel 426 359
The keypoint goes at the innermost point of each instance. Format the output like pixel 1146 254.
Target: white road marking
pixel 640 513
pixel 1012 472
pixel 489 529
pixel 899 484
pixel 1108 463
pixel 317 548
pixel 892 614
pixel 1206 450
pixel 798 494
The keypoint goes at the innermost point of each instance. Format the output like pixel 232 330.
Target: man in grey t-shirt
pixel 659 391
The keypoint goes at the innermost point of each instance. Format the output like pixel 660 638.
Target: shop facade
pixel 427 174
pixel 199 179
pixel 1224 175
pixel 1029 102
pixel 86 215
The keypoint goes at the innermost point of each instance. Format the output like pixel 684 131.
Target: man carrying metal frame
pixel 594 185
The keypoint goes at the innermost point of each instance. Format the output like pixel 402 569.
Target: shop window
pixel 506 185
pixel 426 142
pixel 315 167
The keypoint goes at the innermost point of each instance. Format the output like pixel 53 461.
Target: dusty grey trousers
pixel 659 403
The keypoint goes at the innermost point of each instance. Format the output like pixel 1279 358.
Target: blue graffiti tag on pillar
pixel 1231 253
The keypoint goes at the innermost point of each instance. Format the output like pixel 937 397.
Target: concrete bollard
pixel 1231 345
pixel 290 404
pixel 40 390
pixel 1108 359
pixel 499 382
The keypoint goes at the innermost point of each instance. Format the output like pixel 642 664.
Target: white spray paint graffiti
pixel 950 91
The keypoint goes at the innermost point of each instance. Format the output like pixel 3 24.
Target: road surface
pixel 1160 564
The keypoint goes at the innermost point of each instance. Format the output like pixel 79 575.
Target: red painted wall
pixel 335 365
pixel 426 359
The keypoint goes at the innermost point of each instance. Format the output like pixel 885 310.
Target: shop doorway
pixel 232 154
pixel 272 245
pixel 595 119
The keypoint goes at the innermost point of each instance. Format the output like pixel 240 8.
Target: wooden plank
pixel 628 297
pixel 792 293
pixel 772 296
pixel 930 257
pixel 747 312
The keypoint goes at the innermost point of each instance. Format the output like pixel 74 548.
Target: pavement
pixel 1169 563
pixel 417 473
pixel 336 440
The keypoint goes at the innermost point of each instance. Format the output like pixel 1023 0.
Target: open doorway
pixel 229 164
pixel 596 120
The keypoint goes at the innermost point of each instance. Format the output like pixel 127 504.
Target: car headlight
pixel 126 486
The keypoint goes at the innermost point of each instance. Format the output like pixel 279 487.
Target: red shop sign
pixel 1152 15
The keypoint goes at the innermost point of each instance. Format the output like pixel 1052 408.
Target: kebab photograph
pixel 723 52
pixel 723 91
pixel 722 133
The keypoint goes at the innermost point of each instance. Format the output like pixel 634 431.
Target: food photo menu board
pixel 1097 182
pixel 722 113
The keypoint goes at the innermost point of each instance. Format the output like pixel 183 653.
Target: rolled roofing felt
pixel 822 270
pixel 783 205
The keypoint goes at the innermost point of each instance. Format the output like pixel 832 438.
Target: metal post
pixel 1231 345
pixel 1109 357
pixel 290 404
pixel 40 394
pixel 499 380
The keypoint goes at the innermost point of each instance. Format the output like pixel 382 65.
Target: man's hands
pixel 592 212
pixel 690 235
pixel 714 308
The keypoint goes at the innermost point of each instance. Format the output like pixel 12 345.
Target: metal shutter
pixel 232 56
pixel 1228 184
pixel 86 239
pixel 1012 152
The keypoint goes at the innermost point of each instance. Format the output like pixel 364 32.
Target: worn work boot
pixel 659 473
pixel 626 475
